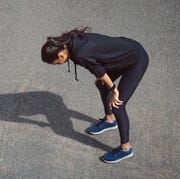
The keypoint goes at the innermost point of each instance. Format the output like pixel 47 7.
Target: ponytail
pixel 66 37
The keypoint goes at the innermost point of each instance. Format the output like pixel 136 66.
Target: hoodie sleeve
pixel 93 66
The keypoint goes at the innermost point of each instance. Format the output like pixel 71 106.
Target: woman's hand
pixel 106 80
pixel 115 102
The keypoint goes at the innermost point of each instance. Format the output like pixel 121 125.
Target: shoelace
pixel 116 150
pixel 101 122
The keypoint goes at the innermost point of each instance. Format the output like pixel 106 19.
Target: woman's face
pixel 63 56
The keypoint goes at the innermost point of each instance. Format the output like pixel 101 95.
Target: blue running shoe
pixel 117 155
pixel 102 126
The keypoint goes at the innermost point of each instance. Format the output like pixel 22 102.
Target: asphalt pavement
pixel 44 111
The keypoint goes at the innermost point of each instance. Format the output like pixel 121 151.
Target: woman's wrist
pixel 113 87
pixel 115 90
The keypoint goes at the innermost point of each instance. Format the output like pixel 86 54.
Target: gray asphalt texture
pixel 44 112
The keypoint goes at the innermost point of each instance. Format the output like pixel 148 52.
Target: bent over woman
pixel 108 58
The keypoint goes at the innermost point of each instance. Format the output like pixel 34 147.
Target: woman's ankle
pixel 126 146
pixel 110 117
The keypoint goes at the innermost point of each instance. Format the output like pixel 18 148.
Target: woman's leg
pixel 105 94
pixel 127 85
pixel 109 122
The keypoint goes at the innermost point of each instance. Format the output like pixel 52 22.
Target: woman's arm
pixel 106 80
pixel 115 102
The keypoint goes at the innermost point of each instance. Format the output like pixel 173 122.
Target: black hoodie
pixel 101 54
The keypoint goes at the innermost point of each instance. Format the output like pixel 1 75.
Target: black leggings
pixel 130 78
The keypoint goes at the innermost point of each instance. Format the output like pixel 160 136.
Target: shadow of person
pixel 17 108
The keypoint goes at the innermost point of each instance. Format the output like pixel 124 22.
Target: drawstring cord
pixel 68 66
pixel 75 65
pixel 76 72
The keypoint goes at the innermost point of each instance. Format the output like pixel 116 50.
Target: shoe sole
pixel 128 156
pixel 100 132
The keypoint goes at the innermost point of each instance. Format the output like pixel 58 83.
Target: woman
pixel 108 58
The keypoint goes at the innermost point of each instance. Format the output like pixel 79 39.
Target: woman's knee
pixel 118 109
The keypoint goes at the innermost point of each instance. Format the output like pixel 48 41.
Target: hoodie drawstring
pixel 75 66
pixel 69 66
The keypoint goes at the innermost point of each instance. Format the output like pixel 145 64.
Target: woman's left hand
pixel 115 102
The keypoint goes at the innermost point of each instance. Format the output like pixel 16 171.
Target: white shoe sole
pixel 128 156
pixel 108 129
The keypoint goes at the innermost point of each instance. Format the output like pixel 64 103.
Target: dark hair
pixel 50 49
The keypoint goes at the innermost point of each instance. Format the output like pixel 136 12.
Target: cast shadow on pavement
pixel 14 106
